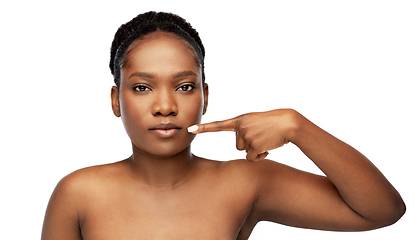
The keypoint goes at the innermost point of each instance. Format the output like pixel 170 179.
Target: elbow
pixel 391 215
pixel 397 212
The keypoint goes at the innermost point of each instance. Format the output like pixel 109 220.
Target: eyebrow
pixel 185 74
pixel 141 75
pixel 152 76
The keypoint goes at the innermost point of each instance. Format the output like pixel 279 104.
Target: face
pixel 160 95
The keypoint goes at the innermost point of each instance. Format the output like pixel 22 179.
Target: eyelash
pixel 145 88
pixel 137 88
pixel 192 86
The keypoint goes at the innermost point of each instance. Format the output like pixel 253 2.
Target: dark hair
pixel 147 23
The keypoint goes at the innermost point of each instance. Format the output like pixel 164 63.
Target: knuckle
pixel 201 127
pixel 242 126
pixel 217 124
pixel 240 147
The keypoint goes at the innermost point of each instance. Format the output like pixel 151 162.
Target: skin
pixel 163 191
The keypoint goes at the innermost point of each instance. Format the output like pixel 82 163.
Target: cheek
pixel 132 112
pixel 192 109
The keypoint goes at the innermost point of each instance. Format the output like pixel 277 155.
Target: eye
pixel 186 88
pixel 141 88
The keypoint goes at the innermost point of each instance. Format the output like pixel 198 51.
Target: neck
pixel 161 171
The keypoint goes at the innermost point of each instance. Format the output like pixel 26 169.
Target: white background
pixel 346 65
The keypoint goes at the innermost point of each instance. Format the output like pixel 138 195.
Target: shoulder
pixel 264 176
pixel 251 173
pixel 72 197
pixel 252 168
pixel 89 175
pixel 86 182
pixel 98 172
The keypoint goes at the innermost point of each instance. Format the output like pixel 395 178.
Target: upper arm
pixel 62 214
pixel 296 198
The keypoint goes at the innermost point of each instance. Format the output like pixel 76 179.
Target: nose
pixel 164 104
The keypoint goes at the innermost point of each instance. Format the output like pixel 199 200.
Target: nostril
pixel 170 114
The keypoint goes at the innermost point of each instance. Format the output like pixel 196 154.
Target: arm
pixel 359 183
pixel 61 218
pixel 354 196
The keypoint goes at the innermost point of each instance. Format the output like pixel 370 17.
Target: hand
pixel 256 133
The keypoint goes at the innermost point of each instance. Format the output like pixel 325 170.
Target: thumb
pixel 254 156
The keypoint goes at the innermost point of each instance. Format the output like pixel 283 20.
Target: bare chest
pixel 213 213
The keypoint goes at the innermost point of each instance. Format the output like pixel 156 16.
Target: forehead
pixel 161 52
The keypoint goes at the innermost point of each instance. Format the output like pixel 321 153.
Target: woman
pixel 163 191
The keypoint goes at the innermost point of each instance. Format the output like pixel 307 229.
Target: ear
pixel 115 102
pixel 205 97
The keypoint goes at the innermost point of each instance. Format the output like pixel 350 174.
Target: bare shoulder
pixel 266 174
pixel 100 171
pixel 82 185
pixel 255 169
pixel 93 176
pixel 269 180
pixel 256 175
pixel 71 198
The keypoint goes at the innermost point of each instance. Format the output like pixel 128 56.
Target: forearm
pixel 361 185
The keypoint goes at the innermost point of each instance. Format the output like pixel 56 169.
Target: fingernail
pixel 192 128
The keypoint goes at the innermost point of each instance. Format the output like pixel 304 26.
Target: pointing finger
pixel 226 125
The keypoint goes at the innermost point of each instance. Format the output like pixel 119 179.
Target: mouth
pixel 165 130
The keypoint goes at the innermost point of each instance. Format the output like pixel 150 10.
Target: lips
pixel 165 130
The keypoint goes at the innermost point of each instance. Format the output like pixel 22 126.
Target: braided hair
pixel 147 23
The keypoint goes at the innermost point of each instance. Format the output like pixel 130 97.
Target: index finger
pixel 225 125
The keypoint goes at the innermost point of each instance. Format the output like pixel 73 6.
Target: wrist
pixel 296 126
